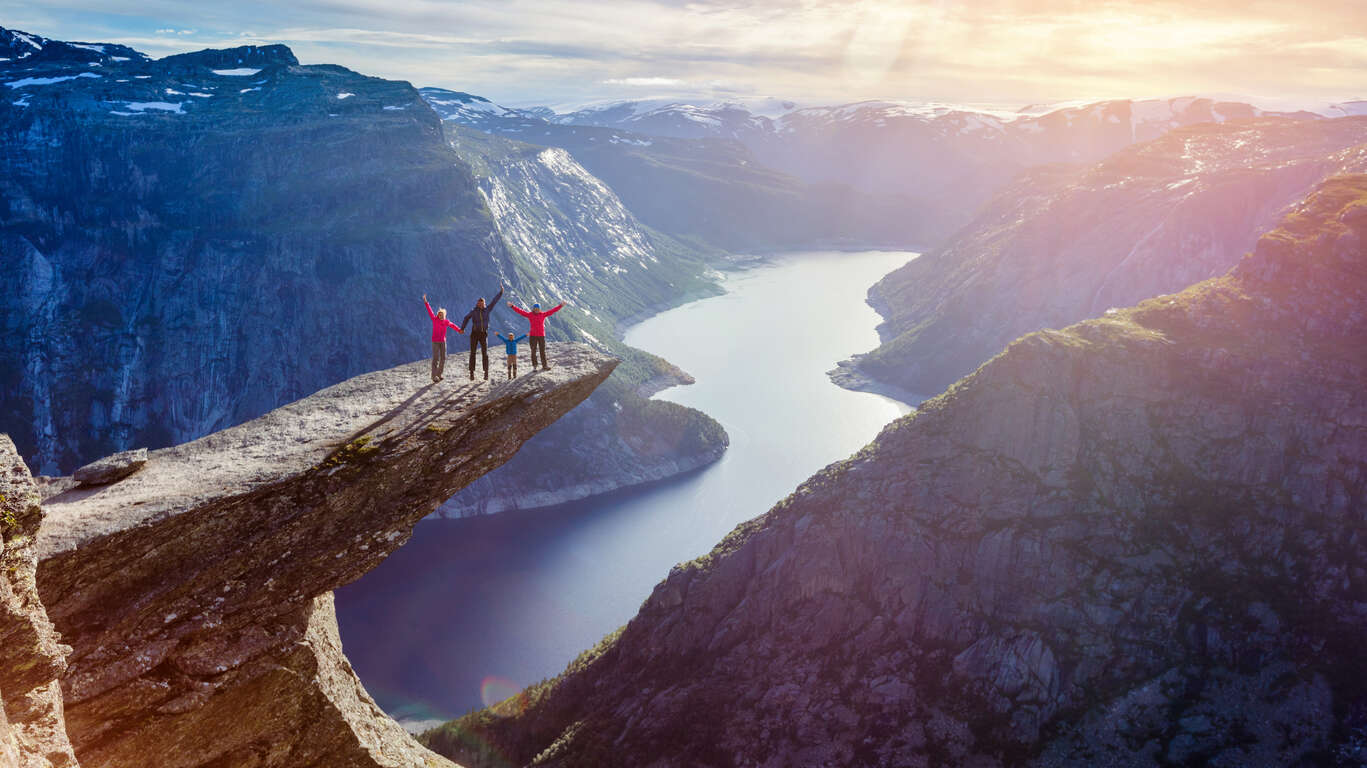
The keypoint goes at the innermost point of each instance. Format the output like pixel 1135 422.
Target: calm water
pixel 471 610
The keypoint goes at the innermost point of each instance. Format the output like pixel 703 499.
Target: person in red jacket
pixel 439 326
pixel 537 334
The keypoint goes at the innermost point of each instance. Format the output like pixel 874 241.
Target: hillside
pixel 1064 243
pixel 1130 542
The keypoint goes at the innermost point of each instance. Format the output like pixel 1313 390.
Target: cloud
pixel 643 81
pixel 551 51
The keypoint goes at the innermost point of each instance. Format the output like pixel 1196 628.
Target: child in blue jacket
pixel 510 344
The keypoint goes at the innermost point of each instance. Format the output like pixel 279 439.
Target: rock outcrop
pixel 32 734
pixel 1065 243
pixel 1138 541
pixel 196 593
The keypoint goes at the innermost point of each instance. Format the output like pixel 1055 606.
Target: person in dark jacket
pixel 477 324
pixel 510 346
pixel 439 326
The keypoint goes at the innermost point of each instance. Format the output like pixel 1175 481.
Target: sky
pixel 566 53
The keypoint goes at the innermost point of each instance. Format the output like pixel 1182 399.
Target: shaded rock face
pixel 196 594
pixel 32 732
pixel 1137 541
pixel 1062 244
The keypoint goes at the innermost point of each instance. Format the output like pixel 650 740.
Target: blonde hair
pixel 441 312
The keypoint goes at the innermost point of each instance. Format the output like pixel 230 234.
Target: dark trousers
pixel 479 339
pixel 438 359
pixel 538 342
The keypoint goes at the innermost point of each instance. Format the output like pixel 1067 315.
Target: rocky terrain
pixel 200 238
pixel 1137 541
pixel 32 731
pixel 1064 243
pixel 186 652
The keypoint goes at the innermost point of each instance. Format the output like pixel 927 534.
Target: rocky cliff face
pixel 1062 244
pixel 1137 541
pixel 32 734
pixel 196 593
pixel 200 238
pixel 573 239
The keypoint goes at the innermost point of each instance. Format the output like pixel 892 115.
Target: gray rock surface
pixel 1138 541
pixel 196 594
pixel 112 468
pixel 32 726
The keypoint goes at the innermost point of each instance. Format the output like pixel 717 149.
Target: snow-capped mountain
pixel 945 159
pixel 713 189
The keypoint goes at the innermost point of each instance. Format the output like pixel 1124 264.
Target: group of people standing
pixel 477 323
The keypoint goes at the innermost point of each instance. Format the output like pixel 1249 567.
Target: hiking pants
pixel 438 359
pixel 538 342
pixel 479 339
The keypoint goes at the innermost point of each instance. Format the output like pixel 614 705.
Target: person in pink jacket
pixel 537 334
pixel 439 326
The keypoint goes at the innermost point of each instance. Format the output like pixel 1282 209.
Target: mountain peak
pixel 241 56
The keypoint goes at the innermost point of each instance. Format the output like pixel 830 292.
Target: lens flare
pixel 502 696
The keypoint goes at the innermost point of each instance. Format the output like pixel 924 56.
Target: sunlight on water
pixel 471 610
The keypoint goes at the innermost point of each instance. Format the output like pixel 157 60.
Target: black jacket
pixel 481 316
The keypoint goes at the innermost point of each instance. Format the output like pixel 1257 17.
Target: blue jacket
pixel 481 316
pixel 511 344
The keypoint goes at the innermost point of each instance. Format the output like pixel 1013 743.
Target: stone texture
pixel 196 594
pixel 1138 541
pixel 32 730
pixel 111 469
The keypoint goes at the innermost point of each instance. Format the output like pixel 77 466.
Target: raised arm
pixel 430 313
pixel 519 338
pixel 519 310
pixel 493 304
pixel 555 309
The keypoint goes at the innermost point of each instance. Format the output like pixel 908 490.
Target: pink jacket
pixel 537 319
pixel 439 324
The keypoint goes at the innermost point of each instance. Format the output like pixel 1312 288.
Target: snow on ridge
pixel 27 81
pixel 237 72
pixel 345 95
pixel 28 39
pixel 88 47
pixel 143 107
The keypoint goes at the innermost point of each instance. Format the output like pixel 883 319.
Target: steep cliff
pixel 1064 243
pixel 32 734
pixel 579 242
pixel 200 238
pixel 1137 541
pixel 197 593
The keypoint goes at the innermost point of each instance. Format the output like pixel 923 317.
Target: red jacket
pixel 439 324
pixel 537 319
